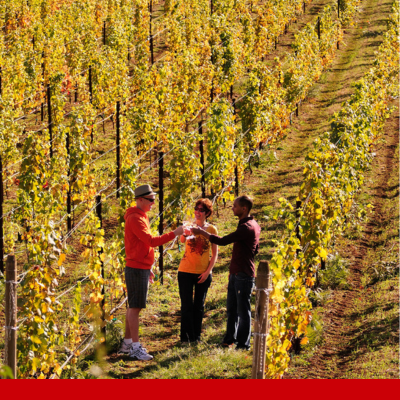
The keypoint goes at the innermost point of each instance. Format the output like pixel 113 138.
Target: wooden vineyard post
pixel 103 322
pixel 338 9
pixel 261 326
pixel 90 86
pixel 50 119
pixel 236 181
pixel 161 211
pixel 118 150
pixel 42 105
pixel 304 7
pixel 297 109
pixel 1 84
pixel 319 28
pixel 76 93
pixel 150 32
pixel 11 315
pixel 104 33
pixel 1 217
pixel 69 219
pixel 236 177
pixel 298 206
pixel 212 58
pixel 236 168
pixel 203 178
pixel 91 98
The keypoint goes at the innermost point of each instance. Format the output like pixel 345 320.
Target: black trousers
pixel 192 307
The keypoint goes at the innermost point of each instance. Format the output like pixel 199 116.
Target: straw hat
pixel 144 190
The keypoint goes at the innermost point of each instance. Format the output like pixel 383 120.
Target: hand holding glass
pixel 187 228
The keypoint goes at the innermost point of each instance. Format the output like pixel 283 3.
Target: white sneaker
pixel 140 353
pixel 125 348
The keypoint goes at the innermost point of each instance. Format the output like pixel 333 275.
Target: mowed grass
pixel 374 335
pixel 376 310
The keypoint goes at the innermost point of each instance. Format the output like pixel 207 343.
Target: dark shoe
pixel 239 347
pixel 226 345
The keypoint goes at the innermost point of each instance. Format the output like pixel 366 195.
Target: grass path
pixel 361 324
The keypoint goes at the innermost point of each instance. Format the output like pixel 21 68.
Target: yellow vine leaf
pixel 86 253
pixel 61 259
pixel 323 253
pixel 35 339
pixel 35 364
pixel 296 263
pixel 304 340
pixel 58 370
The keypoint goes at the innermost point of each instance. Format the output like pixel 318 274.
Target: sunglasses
pixel 150 200
pixel 199 209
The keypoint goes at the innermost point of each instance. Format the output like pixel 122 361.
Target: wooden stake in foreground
pixel 103 318
pixel 261 326
pixel 161 211
pixel 11 315
pixel 1 218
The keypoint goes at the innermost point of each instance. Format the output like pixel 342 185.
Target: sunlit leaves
pixel 333 175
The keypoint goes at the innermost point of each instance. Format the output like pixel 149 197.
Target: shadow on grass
pixel 149 368
pixel 274 227
pixel 372 336
pixel 376 43
pixel 288 184
pixel 386 196
pixel 215 304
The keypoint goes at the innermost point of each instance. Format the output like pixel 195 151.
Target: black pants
pixel 192 309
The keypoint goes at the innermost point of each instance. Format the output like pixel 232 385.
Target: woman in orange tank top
pixel 194 273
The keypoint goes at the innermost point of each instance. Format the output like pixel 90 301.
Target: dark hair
pixel 245 201
pixel 206 203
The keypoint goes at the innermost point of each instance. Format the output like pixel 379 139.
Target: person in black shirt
pixel 241 272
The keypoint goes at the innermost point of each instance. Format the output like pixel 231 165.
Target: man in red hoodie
pixel 139 244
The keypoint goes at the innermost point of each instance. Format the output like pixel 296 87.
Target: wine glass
pixel 188 225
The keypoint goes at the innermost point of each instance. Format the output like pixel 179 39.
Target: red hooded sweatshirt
pixel 139 242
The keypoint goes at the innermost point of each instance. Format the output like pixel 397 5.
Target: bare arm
pixel 213 260
pixel 186 232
